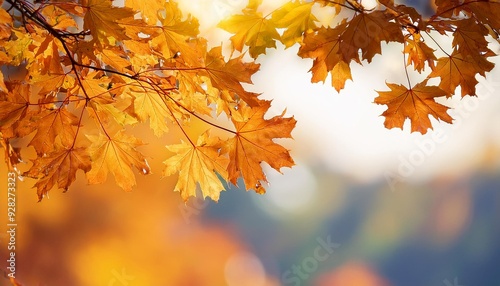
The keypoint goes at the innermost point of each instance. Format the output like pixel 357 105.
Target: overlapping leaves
pixel 73 90
pixel 81 88
pixel 355 34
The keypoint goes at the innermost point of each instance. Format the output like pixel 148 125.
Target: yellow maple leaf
pixel 198 164
pixel 102 19
pixel 58 18
pixel 109 111
pixel 251 29
pixel 115 57
pixel 18 49
pixel 149 9
pixel 175 38
pixel 296 18
pixel 150 104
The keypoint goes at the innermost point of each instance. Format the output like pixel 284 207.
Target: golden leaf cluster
pixel 77 74
pixel 87 70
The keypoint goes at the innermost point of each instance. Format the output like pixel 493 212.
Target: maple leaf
pixel 117 155
pixel 341 72
pixel 485 12
pixel 334 48
pixel 148 9
pixel 416 103
pixel 338 5
pixel 141 55
pixel 229 75
pixel 54 124
pixel 324 47
pixel 365 32
pixel 47 73
pixel 5 24
pixel 57 18
pixel 17 50
pixel 58 167
pixel 14 105
pixel 145 61
pixel 199 163
pixel 104 107
pixel 296 18
pixel 150 104
pixel 102 19
pixel 469 39
pixel 109 112
pixel 459 70
pixel 174 39
pixel 446 8
pixel 253 143
pixel 419 53
pixel 117 58
pixel 12 154
pixel 251 29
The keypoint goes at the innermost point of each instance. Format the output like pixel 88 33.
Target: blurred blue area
pixel 412 259
pixel 424 7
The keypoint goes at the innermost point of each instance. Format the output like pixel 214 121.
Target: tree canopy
pixel 76 75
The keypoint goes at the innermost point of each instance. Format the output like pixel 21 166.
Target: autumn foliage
pixel 356 34
pixel 78 74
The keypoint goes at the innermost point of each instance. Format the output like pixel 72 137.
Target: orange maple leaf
pixel 416 103
pixel 459 70
pixel 365 32
pixel 324 47
pixel 116 154
pixel 5 24
pixel 253 143
pixel 58 167
pixel 419 53
pixel 469 39
pixel 54 124
pixel 228 76
pixel 485 12
pixel 14 104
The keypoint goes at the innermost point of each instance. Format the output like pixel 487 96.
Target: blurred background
pixel 364 206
